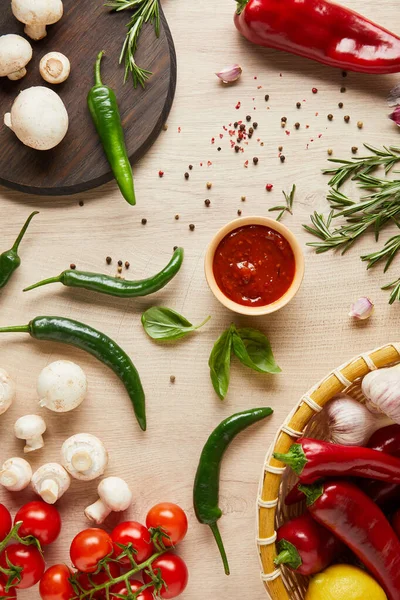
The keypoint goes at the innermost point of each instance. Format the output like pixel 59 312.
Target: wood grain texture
pixel 310 336
pixel 78 163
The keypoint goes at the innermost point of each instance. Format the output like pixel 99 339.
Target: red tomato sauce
pixel 254 265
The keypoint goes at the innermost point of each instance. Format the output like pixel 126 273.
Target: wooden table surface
pixel 309 337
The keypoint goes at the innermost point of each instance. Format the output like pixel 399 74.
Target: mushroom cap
pixel 28 426
pixel 51 471
pixel 15 53
pixel 39 118
pixel 55 67
pixel 61 386
pixel 84 456
pixel 7 391
pixel 115 493
pixel 32 11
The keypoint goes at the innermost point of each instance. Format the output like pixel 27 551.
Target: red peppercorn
pixel 269 187
pixel 315 90
pixel 161 173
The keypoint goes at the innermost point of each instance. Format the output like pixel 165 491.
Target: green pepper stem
pixel 97 69
pixel 288 555
pixel 312 492
pixel 43 282
pixel 23 231
pixel 241 5
pixel 16 329
pixel 220 544
pixel 295 458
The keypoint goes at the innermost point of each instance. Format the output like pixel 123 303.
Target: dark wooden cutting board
pixel 78 163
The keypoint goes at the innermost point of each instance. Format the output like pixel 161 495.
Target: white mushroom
pixel 55 67
pixel 15 53
pixel 84 456
pixel 38 118
pixel 36 14
pixel 115 495
pixel 30 428
pixel 51 481
pixel 7 391
pixel 61 386
pixel 15 474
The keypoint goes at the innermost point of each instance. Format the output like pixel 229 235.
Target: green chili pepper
pixel 114 286
pixel 99 345
pixel 206 485
pixel 103 107
pixel 9 260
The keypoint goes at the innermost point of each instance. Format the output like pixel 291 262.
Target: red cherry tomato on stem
pixel 27 557
pixel 120 588
pixel 40 520
pixel 55 584
pixel 131 532
pixel 88 548
pixel 5 522
pixel 12 594
pixel 172 519
pixel 173 571
pixel 99 579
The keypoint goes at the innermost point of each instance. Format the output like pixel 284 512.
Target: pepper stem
pixel 241 5
pixel 97 69
pixel 312 492
pixel 43 282
pixel 23 231
pixel 295 458
pixel 220 544
pixel 16 329
pixel 288 555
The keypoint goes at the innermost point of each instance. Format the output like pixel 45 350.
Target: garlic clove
pixel 361 309
pixel 230 74
pixel 394 96
pixel 395 116
pixel 381 389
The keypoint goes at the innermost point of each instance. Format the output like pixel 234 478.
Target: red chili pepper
pixel 320 30
pixel 386 440
pixel 354 518
pixel 313 459
pixel 396 522
pixel 294 496
pixel 305 546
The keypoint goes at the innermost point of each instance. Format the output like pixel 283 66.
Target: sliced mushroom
pixel 7 391
pixel 84 456
pixel 37 14
pixel 15 53
pixel 61 386
pixel 15 474
pixel 55 67
pixel 30 428
pixel 51 481
pixel 115 496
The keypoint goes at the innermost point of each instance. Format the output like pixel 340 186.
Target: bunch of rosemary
pixel 143 11
pixel 375 210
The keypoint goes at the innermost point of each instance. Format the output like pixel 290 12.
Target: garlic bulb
pixel 382 391
pixel 351 423
pixel 230 74
pixel 361 309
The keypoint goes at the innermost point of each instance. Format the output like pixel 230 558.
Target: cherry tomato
pixel 5 522
pixel 12 594
pixel 99 579
pixel 120 588
pixel 41 520
pixel 173 571
pixel 172 519
pixel 89 547
pixel 55 584
pixel 136 534
pixel 27 557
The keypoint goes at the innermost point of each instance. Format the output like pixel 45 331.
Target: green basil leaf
pixel 162 323
pixel 220 363
pixel 254 350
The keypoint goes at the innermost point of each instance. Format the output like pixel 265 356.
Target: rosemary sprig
pixel 388 253
pixel 288 207
pixel 144 11
pixel 363 165
pixel 395 293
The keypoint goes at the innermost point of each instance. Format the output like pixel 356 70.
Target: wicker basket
pixel 276 480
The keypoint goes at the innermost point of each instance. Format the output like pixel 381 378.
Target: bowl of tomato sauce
pixel 254 265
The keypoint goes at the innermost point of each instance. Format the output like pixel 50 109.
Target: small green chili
pixel 116 286
pixel 206 485
pixel 96 343
pixel 9 260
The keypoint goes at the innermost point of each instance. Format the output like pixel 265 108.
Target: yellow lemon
pixel 344 582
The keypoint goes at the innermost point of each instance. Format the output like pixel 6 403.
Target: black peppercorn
pixel 282 158
pixel 242 127
pixel 251 130
pixel 347 118
pixel 330 117
pixel 237 148
pixel 342 89
pixel 81 203
pixel 235 124
pixel 298 104
pixel 144 221
pixel 297 125
pixel 108 260
pixel 190 167
pixel 354 149
pixel 207 202
pixel 127 265
pixel 191 227
pixel 248 118
pixel 239 212
pixel 72 266
pixel 340 105
pixel 186 175
pixel 120 263
pixel 284 119
pixel 255 125
pixel 255 160
pixel 266 97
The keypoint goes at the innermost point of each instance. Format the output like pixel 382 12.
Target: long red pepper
pixel 349 514
pixel 305 546
pixel 313 459
pixel 320 30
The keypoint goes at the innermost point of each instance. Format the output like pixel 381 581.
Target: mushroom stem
pixel 17 74
pixel 97 512
pixel 82 461
pixel 49 491
pixel 34 443
pixel 16 474
pixel 36 31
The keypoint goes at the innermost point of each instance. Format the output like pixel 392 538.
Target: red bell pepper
pixel 386 440
pixel 354 518
pixel 306 547
pixel 313 459
pixel 320 30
